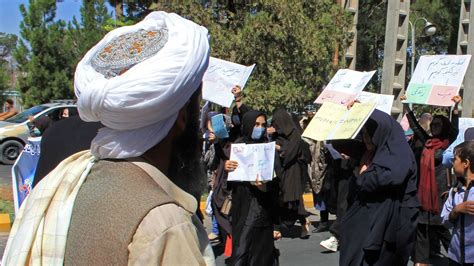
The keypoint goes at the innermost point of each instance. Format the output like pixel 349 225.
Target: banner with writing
pixel 383 102
pixel 255 161
pixel 437 78
pixel 334 121
pixel 220 77
pixel 23 171
pixel 345 86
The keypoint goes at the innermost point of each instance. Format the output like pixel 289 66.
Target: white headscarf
pixel 140 106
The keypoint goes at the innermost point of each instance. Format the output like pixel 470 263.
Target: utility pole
pixel 395 52
pixel 352 6
pixel 466 46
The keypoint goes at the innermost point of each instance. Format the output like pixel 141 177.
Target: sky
pixel 10 16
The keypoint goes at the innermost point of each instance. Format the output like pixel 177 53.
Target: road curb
pixel 5 223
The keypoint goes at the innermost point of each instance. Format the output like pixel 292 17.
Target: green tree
pixel 291 43
pixel 4 77
pixel 7 45
pixel 49 50
pixel 43 54
pixel 91 28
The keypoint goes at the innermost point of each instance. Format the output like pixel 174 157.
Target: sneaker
pixel 330 244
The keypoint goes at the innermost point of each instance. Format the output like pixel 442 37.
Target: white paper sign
pixel 437 79
pixel 446 70
pixel 255 161
pixel 383 102
pixel 465 123
pixel 345 86
pixel 220 77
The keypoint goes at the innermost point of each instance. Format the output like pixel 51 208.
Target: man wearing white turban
pixel 131 199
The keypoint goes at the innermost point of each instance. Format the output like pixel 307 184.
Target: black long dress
pixel 253 214
pixel 379 226
pixel 292 171
pixel 430 227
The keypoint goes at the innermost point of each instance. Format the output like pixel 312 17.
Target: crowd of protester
pixel 126 187
pixel 387 190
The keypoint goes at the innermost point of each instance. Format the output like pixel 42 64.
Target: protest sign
pixel 255 162
pixel 220 77
pixel 437 78
pixel 334 121
pixel 345 86
pixel 383 102
pixel 23 171
pixel 218 126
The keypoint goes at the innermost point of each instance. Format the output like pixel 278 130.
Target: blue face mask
pixel 257 133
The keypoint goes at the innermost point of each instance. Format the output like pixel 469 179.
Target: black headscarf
pixel 248 123
pixel 289 137
pixel 284 122
pixel 393 151
pixel 447 130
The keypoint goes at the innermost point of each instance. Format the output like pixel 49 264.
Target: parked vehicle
pixel 15 131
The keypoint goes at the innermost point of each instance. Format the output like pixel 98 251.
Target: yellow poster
pixel 334 121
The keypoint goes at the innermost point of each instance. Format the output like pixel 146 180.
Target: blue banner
pixel 23 171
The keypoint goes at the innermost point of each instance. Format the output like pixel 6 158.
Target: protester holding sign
pixel 433 181
pixel 253 209
pixel 379 226
pixel 294 156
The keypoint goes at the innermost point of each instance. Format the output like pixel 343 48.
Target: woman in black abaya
pixel 379 226
pixel 292 171
pixel 253 211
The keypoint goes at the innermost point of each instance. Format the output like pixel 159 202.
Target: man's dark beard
pixel 186 169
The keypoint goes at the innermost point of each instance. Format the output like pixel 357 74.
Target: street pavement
pixel 293 250
pixel 296 251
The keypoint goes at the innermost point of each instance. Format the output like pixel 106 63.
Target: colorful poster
pixel 383 102
pixel 345 86
pixel 334 121
pixel 23 171
pixel 255 161
pixel 437 79
pixel 221 76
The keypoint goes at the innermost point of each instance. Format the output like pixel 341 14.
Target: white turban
pixel 139 104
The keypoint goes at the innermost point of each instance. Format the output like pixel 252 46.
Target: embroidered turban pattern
pixel 137 78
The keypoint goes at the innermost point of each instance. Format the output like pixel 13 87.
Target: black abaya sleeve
pixel 419 132
pixel 454 127
pixel 378 178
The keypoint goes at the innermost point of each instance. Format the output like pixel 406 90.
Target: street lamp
pixel 428 30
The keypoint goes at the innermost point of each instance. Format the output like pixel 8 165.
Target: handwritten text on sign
pixel 255 161
pixel 333 121
pixel 383 102
pixel 221 76
pixel 437 79
pixel 344 86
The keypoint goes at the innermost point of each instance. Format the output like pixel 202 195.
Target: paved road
pixel 293 250
pixel 296 251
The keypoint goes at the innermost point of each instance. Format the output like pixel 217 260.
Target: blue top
pixel 454 251
pixel 448 154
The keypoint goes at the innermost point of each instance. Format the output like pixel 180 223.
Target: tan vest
pixel 109 207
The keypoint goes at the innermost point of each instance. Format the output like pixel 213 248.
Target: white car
pixel 14 131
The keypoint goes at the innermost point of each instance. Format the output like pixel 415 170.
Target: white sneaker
pixel 330 244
